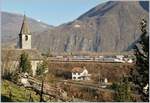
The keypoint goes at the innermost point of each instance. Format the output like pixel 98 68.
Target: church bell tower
pixel 25 35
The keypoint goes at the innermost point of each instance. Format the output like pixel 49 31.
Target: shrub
pixel 41 68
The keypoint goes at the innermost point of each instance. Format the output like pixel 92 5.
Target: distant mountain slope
pixel 108 27
pixel 11 25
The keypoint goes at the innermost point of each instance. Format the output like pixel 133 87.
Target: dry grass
pixel 112 71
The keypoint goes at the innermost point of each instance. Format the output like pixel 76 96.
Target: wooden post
pixel 10 94
pixel 41 94
pixel 30 98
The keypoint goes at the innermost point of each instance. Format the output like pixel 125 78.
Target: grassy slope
pixel 20 94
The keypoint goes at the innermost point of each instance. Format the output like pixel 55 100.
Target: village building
pixel 79 73
pixel 10 57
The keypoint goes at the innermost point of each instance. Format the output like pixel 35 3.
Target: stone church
pixel 10 57
pixel 24 36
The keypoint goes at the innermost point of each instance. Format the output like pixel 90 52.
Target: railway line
pixel 106 59
pixel 87 85
pixel 84 60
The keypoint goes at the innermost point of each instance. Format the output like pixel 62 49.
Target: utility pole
pixel 41 94
pixel 99 82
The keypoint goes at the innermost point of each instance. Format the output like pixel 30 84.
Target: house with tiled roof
pixel 11 56
pixel 79 73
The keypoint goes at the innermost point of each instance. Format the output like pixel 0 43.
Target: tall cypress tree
pixel 140 74
pixel 24 64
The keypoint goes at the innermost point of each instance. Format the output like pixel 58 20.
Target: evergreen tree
pixel 123 91
pixel 24 64
pixel 41 68
pixel 140 74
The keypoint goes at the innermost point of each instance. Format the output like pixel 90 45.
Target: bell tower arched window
pixel 26 38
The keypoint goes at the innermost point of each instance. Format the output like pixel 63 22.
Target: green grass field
pixel 17 94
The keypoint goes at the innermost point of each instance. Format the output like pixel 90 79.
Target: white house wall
pixel 76 76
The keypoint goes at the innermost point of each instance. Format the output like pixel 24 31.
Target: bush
pixel 7 75
pixel 63 74
pixel 41 68
pixel 114 86
pixel 123 91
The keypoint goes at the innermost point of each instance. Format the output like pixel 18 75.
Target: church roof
pixel 14 54
pixel 25 27
pixel 77 70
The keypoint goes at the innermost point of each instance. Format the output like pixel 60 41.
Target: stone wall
pixel 34 66
pixel 13 65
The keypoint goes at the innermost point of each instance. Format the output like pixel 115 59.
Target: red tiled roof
pixel 77 69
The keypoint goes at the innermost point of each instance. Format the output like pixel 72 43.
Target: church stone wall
pixel 34 66
pixel 13 65
pixel 10 66
pixel 26 41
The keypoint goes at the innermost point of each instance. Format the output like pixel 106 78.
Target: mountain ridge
pixel 109 27
pixel 11 25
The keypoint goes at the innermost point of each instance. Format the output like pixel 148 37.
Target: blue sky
pixel 53 12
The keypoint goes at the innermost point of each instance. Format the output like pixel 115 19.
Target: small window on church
pixel 26 38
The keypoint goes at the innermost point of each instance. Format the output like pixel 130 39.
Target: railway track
pixel 62 61
pixel 88 85
pixel 106 60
